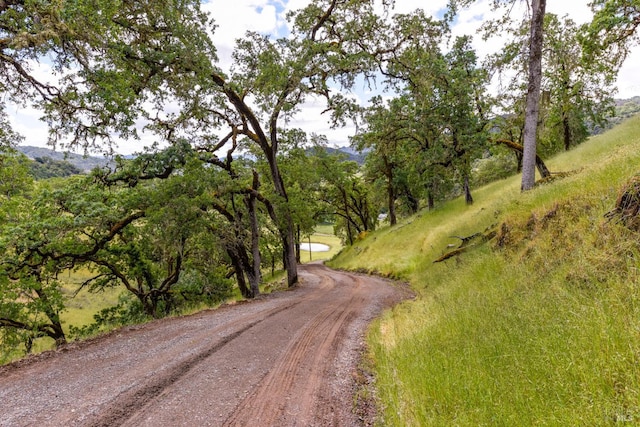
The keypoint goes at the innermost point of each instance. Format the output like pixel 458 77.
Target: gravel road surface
pixel 287 359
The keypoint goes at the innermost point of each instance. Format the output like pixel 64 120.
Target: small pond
pixel 314 247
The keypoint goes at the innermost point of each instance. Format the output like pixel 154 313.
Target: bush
pixel 196 288
pixel 493 168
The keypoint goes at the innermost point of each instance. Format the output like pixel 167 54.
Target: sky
pixel 268 17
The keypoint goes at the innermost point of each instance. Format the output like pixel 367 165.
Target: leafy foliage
pixel 344 195
pixel 237 189
pixel 425 140
pixel 46 167
pixel 576 94
pixel 141 237
pixel 612 31
pixel 31 298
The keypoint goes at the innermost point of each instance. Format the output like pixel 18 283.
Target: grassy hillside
pixel 539 326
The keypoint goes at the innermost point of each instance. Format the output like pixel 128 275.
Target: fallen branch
pixel 468 239
pixel 468 242
pixel 542 168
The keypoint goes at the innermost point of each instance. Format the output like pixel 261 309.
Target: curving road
pixel 289 359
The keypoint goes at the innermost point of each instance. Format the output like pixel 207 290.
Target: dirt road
pixel 289 359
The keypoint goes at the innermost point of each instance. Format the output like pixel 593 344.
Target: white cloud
pixel 628 78
pixel 24 118
pixel 432 7
pixel 26 121
pixel 235 20
pixel 578 10
pixel 311 119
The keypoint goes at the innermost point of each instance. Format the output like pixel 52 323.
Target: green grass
pixel 540 326
pixel 81 306
pixel 323 234
pixel 80 309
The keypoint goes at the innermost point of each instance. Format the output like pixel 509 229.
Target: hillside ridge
pixel 84 163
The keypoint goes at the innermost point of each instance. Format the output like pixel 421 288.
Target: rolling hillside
pixel 84 163
pixel 537 325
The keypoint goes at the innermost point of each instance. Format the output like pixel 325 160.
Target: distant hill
pixel 46 167
pixel 83 163
pixel 627 101
pixel 352 155
pixel 626 108
pixel 88 163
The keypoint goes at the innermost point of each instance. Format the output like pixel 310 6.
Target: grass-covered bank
pixel 539 326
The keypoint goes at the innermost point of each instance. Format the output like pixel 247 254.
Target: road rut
pixel 287 359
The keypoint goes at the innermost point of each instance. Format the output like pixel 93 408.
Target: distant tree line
pixel 624 109
pixel 46 167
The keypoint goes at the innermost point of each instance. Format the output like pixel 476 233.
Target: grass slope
pixel 539 326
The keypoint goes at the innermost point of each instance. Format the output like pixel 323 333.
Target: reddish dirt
pixel 288 359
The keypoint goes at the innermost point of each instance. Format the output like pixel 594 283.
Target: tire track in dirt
pixel 127 403
pixel 91 383
pixel 311 349
pixel 331 345
pixel 287 360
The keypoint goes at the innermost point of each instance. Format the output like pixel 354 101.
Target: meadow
pixel 323 234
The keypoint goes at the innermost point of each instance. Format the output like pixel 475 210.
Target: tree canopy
pixel 229 187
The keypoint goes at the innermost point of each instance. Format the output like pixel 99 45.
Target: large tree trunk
pixel 346 217
pixel 290 262
pixel 431 203
pixel 239 272
pixel 467 191
pixel 148 304
pixel 391 194
pixel 269 146
pixel 298 243
pixel 566 127
pixel 254 277
pixel 349 232
pixel 286 226
pixel 533 96
pixel 57 333
pixel 54 329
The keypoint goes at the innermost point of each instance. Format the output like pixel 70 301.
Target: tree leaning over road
pixel 122 64
pixel 144 234
pixel 330 44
